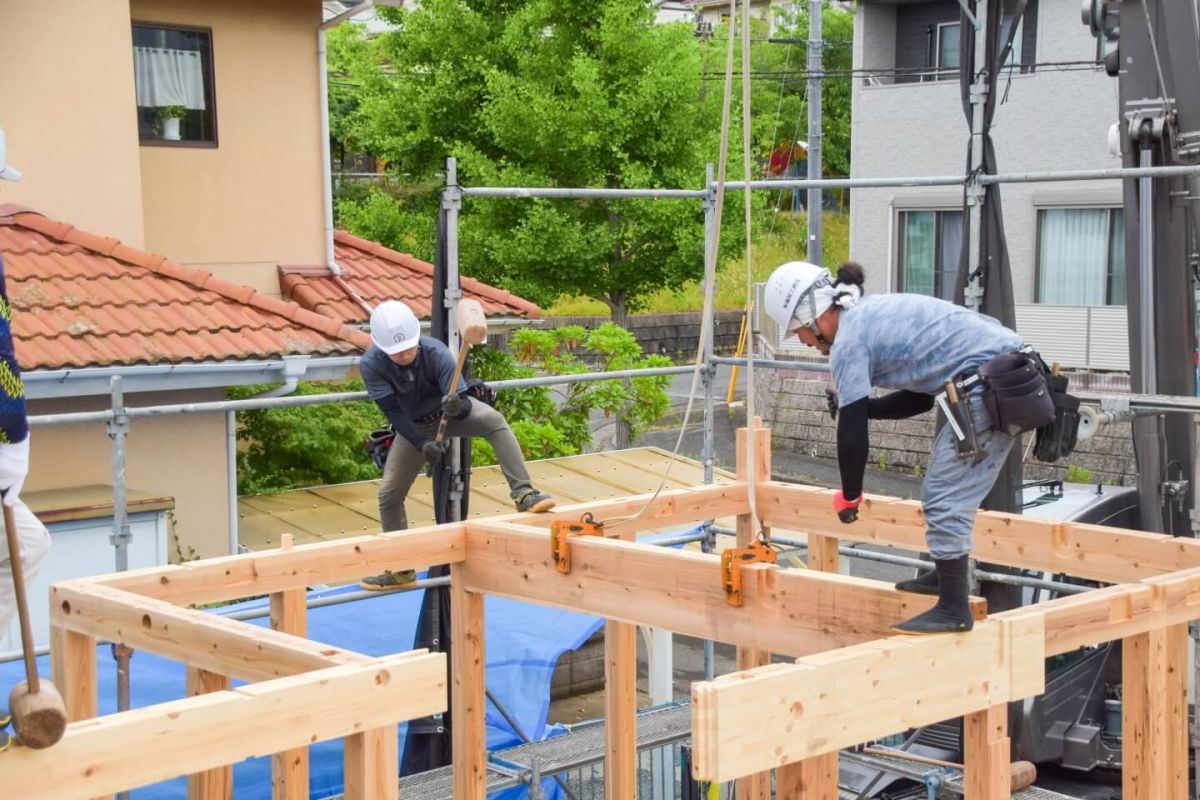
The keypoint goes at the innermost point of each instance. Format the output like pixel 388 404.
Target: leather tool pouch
pixel 478 390
pixel 1016 394
pixel 1056 440
pixel 378 444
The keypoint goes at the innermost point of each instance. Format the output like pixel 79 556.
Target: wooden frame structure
pixel 849 681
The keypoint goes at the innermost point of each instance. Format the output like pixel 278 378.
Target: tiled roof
pixel 373 273
pixel 83 300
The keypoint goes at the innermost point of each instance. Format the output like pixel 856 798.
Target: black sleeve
pixel 853 443
pixel 401 422
pixel 899 405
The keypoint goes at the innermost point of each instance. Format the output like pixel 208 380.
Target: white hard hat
pixel 394 327
pixel 787 286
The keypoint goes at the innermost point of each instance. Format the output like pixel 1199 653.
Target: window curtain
pixel 168 77
pixel 919 252
pixel 949 248
pixel 1073 259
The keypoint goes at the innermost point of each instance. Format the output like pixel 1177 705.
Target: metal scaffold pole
pixel 815 134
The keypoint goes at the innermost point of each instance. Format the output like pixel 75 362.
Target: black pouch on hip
pixel 378 444
pixel 478 390
pixel 1016 394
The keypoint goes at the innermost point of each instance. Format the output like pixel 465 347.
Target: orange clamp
pixel 732 560
pixel 560 535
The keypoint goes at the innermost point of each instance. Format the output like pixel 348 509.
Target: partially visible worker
pixel 916 345
pixel 33 539
pixel 409 377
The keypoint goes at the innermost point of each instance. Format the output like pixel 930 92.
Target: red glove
pixel 847 510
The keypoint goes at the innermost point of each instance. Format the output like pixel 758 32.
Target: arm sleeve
pixel 14 426
pixel 853 442
pixel 401 420
pixel 899 405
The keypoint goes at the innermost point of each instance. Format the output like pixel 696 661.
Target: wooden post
pixel 986 754
pixel 753 787
pixel 816 777
pixel 620 710
pixel 73 670
pixel 1154 712
pixel 216 783
pixel 289 614
pixel 468 692
pixel 372 765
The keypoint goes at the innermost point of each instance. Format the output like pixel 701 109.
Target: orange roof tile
pixel 85 300
pixel 376 273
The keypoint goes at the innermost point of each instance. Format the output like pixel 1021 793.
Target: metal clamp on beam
pixel 560 539
pixel 732 561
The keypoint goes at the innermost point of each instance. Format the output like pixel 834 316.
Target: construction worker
pixel 408 376
pixel 913 344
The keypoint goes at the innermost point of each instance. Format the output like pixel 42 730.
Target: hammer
pixel 38 711
pixel 472 329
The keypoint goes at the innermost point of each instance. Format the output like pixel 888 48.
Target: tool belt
pixel 378 444
pixel 1057 439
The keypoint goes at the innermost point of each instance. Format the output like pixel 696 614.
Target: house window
pixel 947 41
pixel 930 246
pixel 173 75
pixel 1081 256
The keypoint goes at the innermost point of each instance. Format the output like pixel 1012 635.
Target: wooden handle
pixel 18 573
pixel 458 368
pixel 951 393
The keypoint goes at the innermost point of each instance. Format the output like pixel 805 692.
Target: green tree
pixel 549 93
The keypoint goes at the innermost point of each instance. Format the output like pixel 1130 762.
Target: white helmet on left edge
pixel 394 327
pixel 787 286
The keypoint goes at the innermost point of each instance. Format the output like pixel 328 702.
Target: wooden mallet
pixel 38 711
pixel 472 329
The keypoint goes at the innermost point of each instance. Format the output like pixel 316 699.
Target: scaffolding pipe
pixel 802 366
pixel 584 194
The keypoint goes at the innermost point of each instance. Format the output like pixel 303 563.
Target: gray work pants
pixel 34 541
pixel 954 487
pixel 405 461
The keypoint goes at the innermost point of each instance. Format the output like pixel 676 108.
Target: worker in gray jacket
pixel 916 345
pixel 409 376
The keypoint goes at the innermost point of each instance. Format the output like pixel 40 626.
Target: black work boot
pixel 925 583
pixel 952 614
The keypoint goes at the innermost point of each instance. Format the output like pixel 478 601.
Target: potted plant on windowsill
pixel 168 118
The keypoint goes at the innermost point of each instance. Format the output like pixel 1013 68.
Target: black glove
pixel 831 402
pixel 454 406
pixel 434 450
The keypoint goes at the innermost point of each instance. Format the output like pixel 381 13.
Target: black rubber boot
pixel 925 583
pixel 952 614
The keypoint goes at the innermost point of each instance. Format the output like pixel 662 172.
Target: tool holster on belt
pixel 956 408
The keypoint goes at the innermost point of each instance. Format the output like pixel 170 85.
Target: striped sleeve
pixel 13 424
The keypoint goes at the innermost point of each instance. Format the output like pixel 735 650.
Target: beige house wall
pixel 183 457
pixel 257 199
pixel 67 70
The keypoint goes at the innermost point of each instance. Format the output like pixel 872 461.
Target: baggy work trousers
pixel 34 541
pixel 405 461
pixel 954 487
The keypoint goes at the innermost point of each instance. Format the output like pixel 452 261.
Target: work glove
pixel 434 450
pixel 14 466
pixel 453 406
pixel 831 402
pixel 847 510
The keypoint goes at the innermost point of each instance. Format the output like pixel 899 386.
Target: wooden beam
pixel 215 783
pixel 468 694
pixel 372 764
pixel 73 671
pixel 815 778
pixel 671 507
pixel 986 753
pixel 620 705
pixel 1154 714
pixel 1112 555
pixel 289 614
pixel 1116 612
pixel 751 721
pixel 147 745
pixel 203 640
pixel 793 612
pixel 231 577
